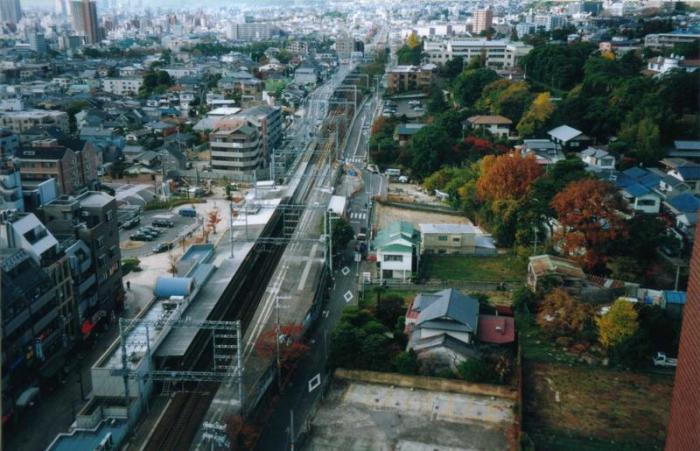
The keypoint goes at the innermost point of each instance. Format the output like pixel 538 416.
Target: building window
pixel 455 239
pixel 442 238
pixel 393 258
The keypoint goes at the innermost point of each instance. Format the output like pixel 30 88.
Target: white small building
pixel 397 251
pixel 496 125
pixel 598 160
pixel 122 86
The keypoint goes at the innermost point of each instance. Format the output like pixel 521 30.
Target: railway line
pixel 240 300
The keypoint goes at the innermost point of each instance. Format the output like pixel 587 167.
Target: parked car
pixel 141 237
pixel 131 223
pixel 152 230
pixel 187 212
pixel 661 360
pixel 162 247
pixel 373 168
pixel 163 223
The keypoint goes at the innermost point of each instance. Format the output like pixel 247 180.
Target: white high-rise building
pixel 10 11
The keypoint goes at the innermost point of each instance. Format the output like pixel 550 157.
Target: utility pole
pixel 230 221
pixel 291 430
pixel 534 248
pixel 277 343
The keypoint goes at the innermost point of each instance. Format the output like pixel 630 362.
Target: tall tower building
pixel 684 422
pixel 10 11
pixel 84 17
pixel 483 20
pixel 61 7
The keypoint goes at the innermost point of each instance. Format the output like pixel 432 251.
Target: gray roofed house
pixel 442 327
pixel 568 138
pixel 544 150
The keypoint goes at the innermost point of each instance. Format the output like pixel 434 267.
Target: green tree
pixel 477 371
pixel 389 309
pixel 644 137
pixel 341 233
pixel 436 103
pixel 428 149
pixel 468 85
pixel 406 363
pixel 452 67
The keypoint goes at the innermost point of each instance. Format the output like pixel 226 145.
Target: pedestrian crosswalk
pixel 356 160
pixel 358 215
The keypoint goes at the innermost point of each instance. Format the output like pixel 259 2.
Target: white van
pixel 392 172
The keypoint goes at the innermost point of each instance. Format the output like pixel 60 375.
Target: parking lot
pixel 135 249
pixel 404 108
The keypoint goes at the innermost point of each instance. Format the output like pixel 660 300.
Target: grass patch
pixel 370 296
pixel 499 268
pixel 537 349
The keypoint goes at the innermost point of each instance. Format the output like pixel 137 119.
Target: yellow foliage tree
pixel 618 324
pixel 540 110
pixel 413 41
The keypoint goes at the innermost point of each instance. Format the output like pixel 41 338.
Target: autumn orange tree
pixel 291 347
pixel 213 218
pixel 506 177
pixel 590 214
pixel 561 315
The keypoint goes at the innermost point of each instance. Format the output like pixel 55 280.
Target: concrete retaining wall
pixel 427 383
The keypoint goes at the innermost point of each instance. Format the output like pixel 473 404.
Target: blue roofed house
pixel 638 187
pixel 689 150
pixel 442 328
pixel 397 248
pixel 683 209
pixel 568 138
pixel 688 173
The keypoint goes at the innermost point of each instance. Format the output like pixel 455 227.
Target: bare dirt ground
pixel 387 214
pixel 597 403
pixel 413 191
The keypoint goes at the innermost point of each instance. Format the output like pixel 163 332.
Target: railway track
pixel 240 300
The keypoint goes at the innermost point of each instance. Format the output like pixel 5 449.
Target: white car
pixel 660 359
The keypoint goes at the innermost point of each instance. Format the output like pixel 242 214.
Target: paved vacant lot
pixel 361 416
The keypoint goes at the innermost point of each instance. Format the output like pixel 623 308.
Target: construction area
pixel 363 412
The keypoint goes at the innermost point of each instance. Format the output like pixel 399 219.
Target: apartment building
pixel 20 121
pixel 32 327
pixel 483 20
pixel 72 163
pixel 235 147
pixel 25 231
pixel 410 78
pixel 344 46
pixel 498 54
pixel 268 121
pixel 254 31
pixel 92 218
pixel 658 41
pixel 122 86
